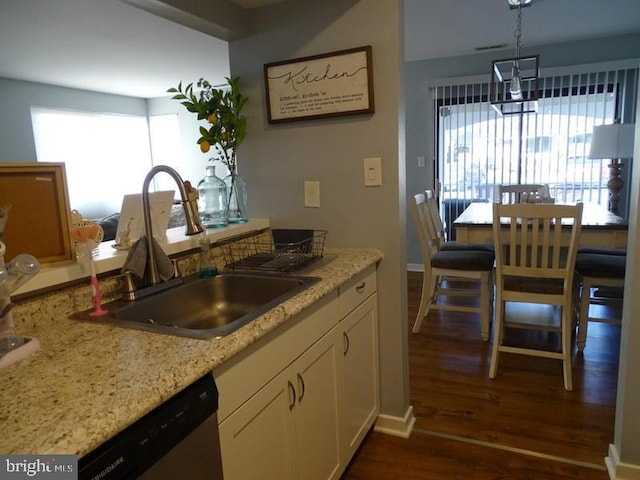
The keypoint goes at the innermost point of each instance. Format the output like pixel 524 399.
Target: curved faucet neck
pixel 193 226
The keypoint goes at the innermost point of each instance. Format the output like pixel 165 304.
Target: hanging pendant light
pixel 516 87
pixel 514 81
pixel 518 3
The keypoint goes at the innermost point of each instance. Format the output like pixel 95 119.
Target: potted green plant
pixel 226 128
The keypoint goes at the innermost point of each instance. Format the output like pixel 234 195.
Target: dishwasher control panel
pixel 141 445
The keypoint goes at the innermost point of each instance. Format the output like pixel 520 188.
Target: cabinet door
pixel 258 439
pixel 360 395
pixel 316 411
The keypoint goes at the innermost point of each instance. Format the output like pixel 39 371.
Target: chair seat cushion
pixel 603 266
pixel 546 286
pixel 455 246
pixel 602 251
pixel 463 260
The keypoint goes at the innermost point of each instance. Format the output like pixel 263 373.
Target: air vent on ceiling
pixel 490 47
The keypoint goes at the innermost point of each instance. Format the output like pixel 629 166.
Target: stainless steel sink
pixel 204 308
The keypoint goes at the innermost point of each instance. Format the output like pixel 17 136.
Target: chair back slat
pixel 531 239
pixel 520 193
pixel 535 242
pixel 557 244
pixel 434 217
pixel 546 240
pixel 420 214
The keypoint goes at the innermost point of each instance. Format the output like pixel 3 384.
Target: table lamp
pixel 615 142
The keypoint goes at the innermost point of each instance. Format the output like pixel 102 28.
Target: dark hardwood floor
pixel 521 425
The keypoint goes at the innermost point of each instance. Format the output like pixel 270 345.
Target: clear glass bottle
pixel 237 195
pixel 13 275
pixel 17 272
pixel 212 200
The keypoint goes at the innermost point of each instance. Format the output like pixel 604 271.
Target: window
pixel 106 155
pixel 477 149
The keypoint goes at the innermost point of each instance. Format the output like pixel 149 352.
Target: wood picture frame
pixel 39 219
pixel 320 86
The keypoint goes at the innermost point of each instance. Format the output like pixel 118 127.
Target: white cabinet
pixel 258 439
pixel 297 404
pixel 288 429
pixel 316 411
pixel 359 376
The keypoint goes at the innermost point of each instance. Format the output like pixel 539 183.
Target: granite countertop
pixel 88 382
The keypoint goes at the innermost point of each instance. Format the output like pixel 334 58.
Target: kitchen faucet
pixel 190 213
pixel 193 228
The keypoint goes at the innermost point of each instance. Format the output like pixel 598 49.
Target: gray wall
pixel 276 159
pixel 418 102
pixel 627 426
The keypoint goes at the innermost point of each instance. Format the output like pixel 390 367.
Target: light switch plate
pixel 312 194
pixel 373 172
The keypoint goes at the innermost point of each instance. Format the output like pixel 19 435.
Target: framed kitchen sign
pixel 39 219
pixel 327 85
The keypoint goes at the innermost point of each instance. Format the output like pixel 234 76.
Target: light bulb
pixel 516 88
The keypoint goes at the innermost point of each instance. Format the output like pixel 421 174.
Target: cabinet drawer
pixel 357 290
pixel 243 375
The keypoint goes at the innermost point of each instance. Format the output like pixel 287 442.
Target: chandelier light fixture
pixel 514 81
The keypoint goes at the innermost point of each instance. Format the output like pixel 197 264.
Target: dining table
pixel 600 227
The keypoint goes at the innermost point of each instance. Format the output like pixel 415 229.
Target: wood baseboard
pixel 396 426
pixel 618 470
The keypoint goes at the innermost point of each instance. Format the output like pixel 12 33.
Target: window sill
pixel 109 259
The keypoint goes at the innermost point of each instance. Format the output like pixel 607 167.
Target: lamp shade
pixel 612 141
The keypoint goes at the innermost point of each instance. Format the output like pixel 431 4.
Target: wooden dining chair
pixel 519 193
pixel 535 262
pixel 438 227
pixel 601 269
pixel 474 266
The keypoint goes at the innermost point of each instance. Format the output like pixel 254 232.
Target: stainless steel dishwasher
pixel 177 440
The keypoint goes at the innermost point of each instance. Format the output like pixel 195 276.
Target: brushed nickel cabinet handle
pixel 292 395
pixel 302 387
pixel 360 287
pixel 345 336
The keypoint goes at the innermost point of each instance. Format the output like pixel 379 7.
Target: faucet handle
pixel 190 205
pixel 192 192
pixel 129 287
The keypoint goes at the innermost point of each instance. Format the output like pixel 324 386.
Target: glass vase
pixel 237 198
pixel 212 200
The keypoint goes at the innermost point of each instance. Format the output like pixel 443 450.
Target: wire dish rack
pixel 278 250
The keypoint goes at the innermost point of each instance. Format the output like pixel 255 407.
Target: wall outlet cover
pixel 312 193
pixel 373 172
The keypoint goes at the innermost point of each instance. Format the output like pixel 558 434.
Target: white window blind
pixel 106 156
pixel 477 149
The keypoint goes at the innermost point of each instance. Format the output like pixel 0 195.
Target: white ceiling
pixel 114 47
pixel 443 28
